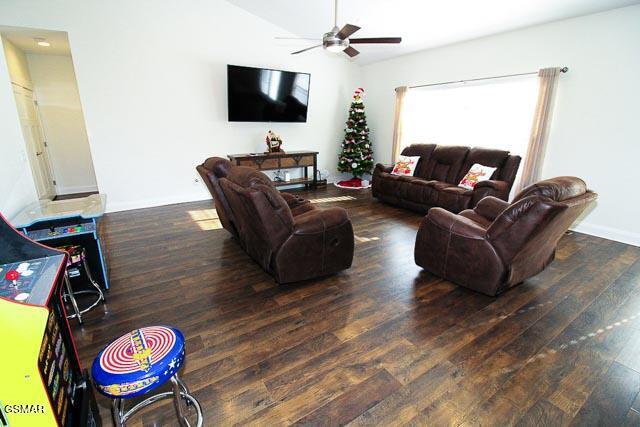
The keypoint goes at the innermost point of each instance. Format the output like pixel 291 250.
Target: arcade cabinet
pixel 42 382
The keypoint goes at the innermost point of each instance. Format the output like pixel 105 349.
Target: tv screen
pixel 263 95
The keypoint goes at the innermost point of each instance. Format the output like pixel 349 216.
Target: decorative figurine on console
pixel 274 142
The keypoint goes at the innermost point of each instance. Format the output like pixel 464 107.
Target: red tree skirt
pixel 351 183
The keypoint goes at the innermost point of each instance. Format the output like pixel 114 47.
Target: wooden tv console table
pixel 283 160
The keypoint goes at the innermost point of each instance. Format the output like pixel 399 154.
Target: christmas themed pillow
pixel 476 174
pixel 405 165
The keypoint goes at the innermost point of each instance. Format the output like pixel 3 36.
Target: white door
pixel 34 140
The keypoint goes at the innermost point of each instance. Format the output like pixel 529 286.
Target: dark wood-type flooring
pixel 382 343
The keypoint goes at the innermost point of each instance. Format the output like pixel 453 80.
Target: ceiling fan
pixel 338 40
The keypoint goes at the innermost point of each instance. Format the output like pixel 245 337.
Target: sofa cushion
pixel 485 157
pixel 475 217
pixel 246 177
pixel 453 198
pixel 445 163
pixel 387 183
pixel 439 185
pixel 419 191
pixel 422 150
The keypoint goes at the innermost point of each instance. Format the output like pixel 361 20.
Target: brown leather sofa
pixel 497 244
pixel 289 237
pixel 436 178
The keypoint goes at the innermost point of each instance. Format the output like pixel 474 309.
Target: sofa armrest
pixel 383 168
pixel 319 221
pixel 491 187
pixel 490 207
pixel 293 200
pixel 455 224
pixel 495 185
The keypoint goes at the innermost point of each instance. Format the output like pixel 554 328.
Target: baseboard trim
pixel 152 203
pixel 610 233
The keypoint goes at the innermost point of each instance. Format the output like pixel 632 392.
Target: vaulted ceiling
pixel 421 24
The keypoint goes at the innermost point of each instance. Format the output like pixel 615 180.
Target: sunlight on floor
pixel 548 351
pixel 206 219
pixel 332 199
pixel 365 239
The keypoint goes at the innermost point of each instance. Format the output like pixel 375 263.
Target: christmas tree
pixel 357 155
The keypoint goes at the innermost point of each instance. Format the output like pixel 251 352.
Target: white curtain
pixel 398 122
pixel 532 165
pixel 493 113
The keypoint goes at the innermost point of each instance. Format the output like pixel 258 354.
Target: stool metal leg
pixel 117 412
pixel 177 402
pixel 74 303
pixel 98 292
pixel 93 282
pixel 184 387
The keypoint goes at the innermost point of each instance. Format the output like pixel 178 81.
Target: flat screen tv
pixel 264 95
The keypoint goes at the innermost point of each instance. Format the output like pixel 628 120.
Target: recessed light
pixel 42 42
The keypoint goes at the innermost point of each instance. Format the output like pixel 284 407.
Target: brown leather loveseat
pixel 497 244
pixel 436 178
pixel 288 236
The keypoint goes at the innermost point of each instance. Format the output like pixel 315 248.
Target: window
pixel 495 113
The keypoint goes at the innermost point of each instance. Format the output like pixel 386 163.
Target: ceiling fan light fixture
pixel 335 48
pixel 334 44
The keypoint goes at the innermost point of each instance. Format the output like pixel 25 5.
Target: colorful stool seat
pixel 139 361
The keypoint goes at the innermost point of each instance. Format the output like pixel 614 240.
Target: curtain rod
pixel 562 70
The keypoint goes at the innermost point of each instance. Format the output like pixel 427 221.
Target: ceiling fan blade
pixel 346 31
pixel 351 51
pixel 376 40
pixel 304 50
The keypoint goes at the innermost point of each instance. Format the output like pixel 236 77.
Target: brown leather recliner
pixel 497 244
pixel 215 168
pixel 437 174
pixel 288 236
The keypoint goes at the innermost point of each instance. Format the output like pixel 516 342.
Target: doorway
pixel 48 103
pixel 35 142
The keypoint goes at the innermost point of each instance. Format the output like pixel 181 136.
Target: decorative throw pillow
pixel 405 165
pixel 476 174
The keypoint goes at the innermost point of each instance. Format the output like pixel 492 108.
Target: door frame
pixel 44 168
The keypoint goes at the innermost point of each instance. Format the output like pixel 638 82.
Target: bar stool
pixel 141 361
pixel 77 260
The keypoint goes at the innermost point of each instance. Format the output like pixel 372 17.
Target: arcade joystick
pixel 12 275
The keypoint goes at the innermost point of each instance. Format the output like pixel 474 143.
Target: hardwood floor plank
pixel 536 377
pixel 353 402
pixel 382 343
pixel 611 400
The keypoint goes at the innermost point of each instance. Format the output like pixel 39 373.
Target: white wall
pixel 17 188
pixel 595 134
pixel 54 84
pixel 152 81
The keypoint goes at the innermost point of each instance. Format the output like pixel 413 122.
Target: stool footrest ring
pixel 193 402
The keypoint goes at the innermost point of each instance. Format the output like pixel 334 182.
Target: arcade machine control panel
pixel 29 281
pixel 61 231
